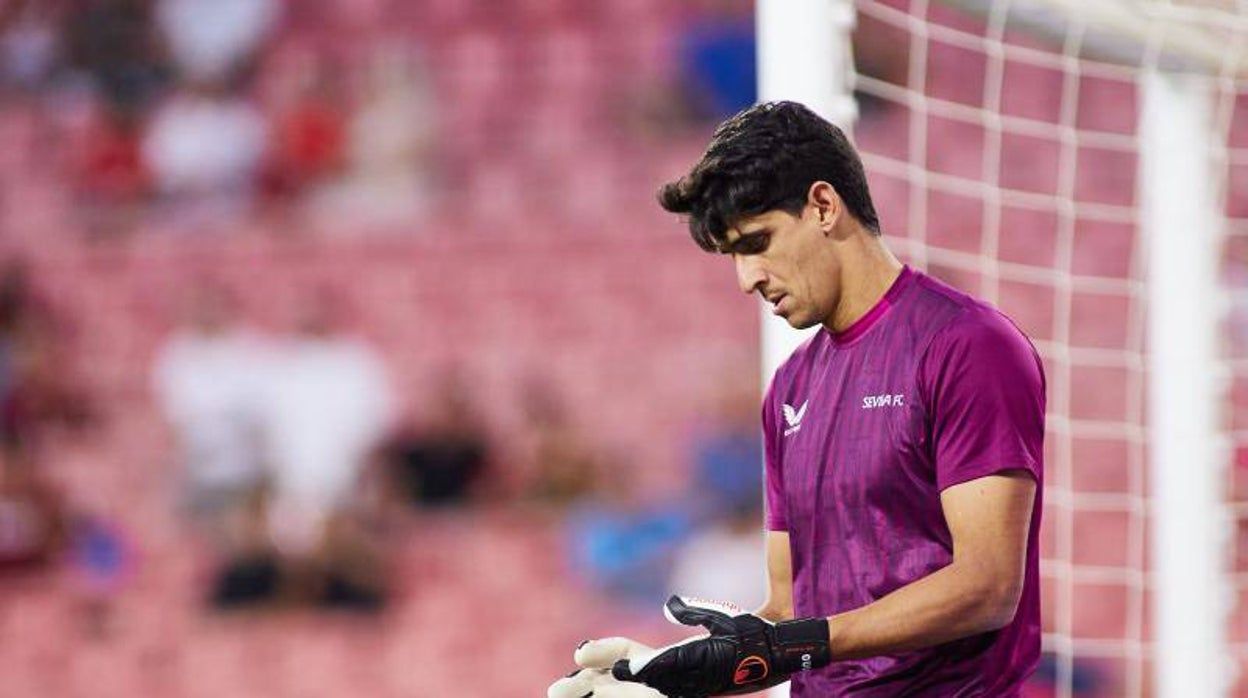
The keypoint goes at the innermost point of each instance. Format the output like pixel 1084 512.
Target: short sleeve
pixel 984 387
pixel 775 518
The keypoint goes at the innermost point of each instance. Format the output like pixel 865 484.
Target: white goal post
pixel 1190 527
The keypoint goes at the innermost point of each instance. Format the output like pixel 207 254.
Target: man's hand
pixel 596 657
pixel 743 653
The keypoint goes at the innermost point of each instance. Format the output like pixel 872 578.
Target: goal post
pixel 1182 226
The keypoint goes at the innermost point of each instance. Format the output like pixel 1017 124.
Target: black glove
pixel 743 653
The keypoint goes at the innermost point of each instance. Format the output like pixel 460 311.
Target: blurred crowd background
pixel 344 350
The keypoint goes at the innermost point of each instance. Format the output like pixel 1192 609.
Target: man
pixel 903 447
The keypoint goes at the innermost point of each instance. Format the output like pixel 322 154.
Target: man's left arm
pixel 977 592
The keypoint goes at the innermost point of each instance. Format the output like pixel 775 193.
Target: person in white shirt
pixel 205 379
pixel 326 408
pixel 210 39
pixel 204 147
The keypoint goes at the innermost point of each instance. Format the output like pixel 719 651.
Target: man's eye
pixel 752 244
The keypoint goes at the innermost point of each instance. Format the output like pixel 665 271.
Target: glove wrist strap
pixel 802 645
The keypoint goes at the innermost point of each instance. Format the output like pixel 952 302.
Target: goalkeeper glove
pixel 743 653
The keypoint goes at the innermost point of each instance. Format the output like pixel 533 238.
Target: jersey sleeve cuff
pixel 1024 464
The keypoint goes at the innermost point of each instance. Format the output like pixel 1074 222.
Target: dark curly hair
pixel 765 158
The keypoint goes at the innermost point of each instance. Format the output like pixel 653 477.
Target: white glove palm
pixel 596 658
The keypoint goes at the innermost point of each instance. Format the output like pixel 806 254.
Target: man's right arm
pixel 779 603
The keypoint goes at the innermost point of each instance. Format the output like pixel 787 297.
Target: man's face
pixel 789 261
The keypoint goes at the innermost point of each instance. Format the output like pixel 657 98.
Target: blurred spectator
pixel 390 139
pixel 212 40
pixel 30 47
pixel 717 59
pixel 18 318
pixel 624 542
pixel 563 463
pixel 112 168
pixel 249 572
pixel 725 560
pixel 39 386
pixel 326 408
pixel 728 451
pixel 727 484
pixel 45 392
pixel 32 515
pixel 1086 680
pixel 714 74
pixel 204 148
pixel 309 131
pixel 440 462
pixel 206 380
pixel 101 561
pixel 113 42
pixel 112 181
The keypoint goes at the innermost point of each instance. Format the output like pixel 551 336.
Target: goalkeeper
pixel 903 443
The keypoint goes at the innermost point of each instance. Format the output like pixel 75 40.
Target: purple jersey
pixel 863 430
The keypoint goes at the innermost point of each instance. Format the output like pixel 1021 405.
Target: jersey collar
pixel 860 327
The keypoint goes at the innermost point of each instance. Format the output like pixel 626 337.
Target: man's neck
pixel 868 270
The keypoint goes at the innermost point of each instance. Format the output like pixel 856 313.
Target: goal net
pixel 1009 154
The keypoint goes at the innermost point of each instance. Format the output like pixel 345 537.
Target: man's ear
pixel 827 204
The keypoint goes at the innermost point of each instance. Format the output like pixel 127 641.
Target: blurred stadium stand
pixel 540 251
pixel 541 254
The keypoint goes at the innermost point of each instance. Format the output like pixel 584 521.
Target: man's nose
pixel 750 275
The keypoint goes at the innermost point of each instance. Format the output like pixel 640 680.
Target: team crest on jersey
pixel 793 417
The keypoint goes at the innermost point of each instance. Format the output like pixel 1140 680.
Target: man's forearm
pixel 949 604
